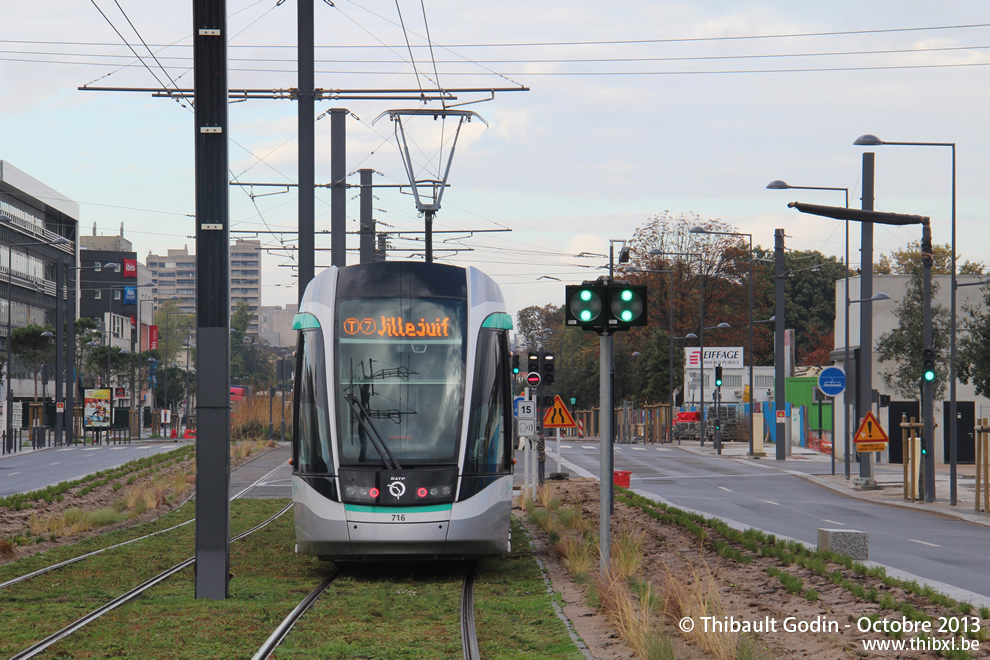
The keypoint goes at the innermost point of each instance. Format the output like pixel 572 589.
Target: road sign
pixel 60 407
pixel 558 417
pixel 832 381
pixel 781 414
pixel 870 432
pixel 526 427
pixel 526 410
pixel 533 378
pixel 862 447
pixel 515 405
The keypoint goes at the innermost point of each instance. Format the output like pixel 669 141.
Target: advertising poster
pixel 96 410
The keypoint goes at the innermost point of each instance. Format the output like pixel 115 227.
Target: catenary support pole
pixel 366 248
pixel 338 187
pixel 212 300
pixel 780 403
pixel 307 144
pixel 60 379
pixel 864 395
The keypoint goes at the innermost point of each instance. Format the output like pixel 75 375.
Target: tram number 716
pixel 398 517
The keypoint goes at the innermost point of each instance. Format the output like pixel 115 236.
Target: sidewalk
pixel 890 478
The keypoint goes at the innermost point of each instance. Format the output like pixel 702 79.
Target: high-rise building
pixel 174 274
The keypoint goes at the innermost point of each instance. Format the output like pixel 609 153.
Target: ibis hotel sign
pixel 731 358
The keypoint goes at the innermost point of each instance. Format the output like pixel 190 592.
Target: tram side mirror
pixel 419 348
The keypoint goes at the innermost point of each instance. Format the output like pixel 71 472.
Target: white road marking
pixel 773 503
pixel 725 489
pixel 12 474
pixel 589 447
pixel 662 448
pixel 566 447
pixel 69 449
pixel 91 449
pixel 55 463
pixel 638 448
pixel 834 522
pixel 930 545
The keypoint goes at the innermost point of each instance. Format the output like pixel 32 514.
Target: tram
pixel 402 414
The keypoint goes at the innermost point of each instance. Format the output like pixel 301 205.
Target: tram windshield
pixel 400 379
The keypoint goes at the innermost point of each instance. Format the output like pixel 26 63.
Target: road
pixel 33 470
pixel 943 550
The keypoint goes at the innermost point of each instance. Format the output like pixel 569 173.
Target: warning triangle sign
pixel 558 417
pixel 870 430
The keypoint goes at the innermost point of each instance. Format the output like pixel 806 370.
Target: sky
pixel 634 108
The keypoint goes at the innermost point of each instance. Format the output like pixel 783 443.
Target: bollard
pixel 982 467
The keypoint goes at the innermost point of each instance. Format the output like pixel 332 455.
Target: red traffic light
pixel 533 378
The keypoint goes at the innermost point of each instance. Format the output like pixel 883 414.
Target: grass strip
pixel 40 606
pixel 381 610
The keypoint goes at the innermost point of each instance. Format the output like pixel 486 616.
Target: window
pixel 97 266
pixel 116 295
pixel 97 295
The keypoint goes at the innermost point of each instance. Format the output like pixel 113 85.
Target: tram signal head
pixel 626 304
pixel 928 365
pixel 718 375
pixel 548 366
pixel 515 365
pixel 533 379
pixel 585 305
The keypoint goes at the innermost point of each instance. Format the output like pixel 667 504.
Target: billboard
pixel 96 409
pixel 731 357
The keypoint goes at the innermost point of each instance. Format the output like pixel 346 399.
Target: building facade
pixel 38 230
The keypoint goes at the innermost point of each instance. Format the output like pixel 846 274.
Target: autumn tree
pixel 902 346
pixel 532 323
pixel 32 349
pixel 973 356
pixel 904 261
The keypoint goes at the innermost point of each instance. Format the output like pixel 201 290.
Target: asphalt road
pixel 33 470
pixel 949 553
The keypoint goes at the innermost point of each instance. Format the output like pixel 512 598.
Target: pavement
pixel 815 467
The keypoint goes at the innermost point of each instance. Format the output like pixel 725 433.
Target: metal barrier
pixel 982 466
pixel 912 473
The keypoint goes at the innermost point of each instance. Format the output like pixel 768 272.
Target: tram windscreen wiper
pixel 364 419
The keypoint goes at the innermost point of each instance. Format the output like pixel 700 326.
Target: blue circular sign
pixel 832 381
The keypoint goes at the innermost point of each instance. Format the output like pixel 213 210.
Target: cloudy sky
pixel 634 108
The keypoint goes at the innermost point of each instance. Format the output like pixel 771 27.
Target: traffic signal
pixel 547 372
pixel 626 304
pixel 515 365
pixel 924 446
pixel 928 365
pixel 585 305
pixel 718 375
pixel 534 363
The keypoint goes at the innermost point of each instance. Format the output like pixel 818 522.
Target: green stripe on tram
pixel 304 321
pixel 499 321
pixel 362 508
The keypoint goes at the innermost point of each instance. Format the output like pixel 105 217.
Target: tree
pixel 174 327
pixel 33 350
pixel 903 345
pixel 973 356
pixel 904 261
pixel 532 321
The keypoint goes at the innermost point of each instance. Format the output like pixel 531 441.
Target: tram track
pixel 469 637
pixel 55 637
pixel 69 562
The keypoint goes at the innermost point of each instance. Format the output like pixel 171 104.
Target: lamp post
pixel 701 322
pixel 702 230
pixel 61 240
pixel 670 317
pixel 874 298
pixel 777 184
pixel 874 141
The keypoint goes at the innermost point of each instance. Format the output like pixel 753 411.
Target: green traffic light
pixel 626 295
pixel 626 315
pixel 585 315
pixel 585 295
pixel 929 376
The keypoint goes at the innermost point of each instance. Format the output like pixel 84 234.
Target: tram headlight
pixel 445 490
pixel 350 490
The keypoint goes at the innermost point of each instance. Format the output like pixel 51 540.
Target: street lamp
pixel 60 240
pixel 874 141
pixel 777 184
pixel 702 230
pixel 701 322
pixel 670 296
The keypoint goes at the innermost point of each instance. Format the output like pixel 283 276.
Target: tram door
pixel 965 439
